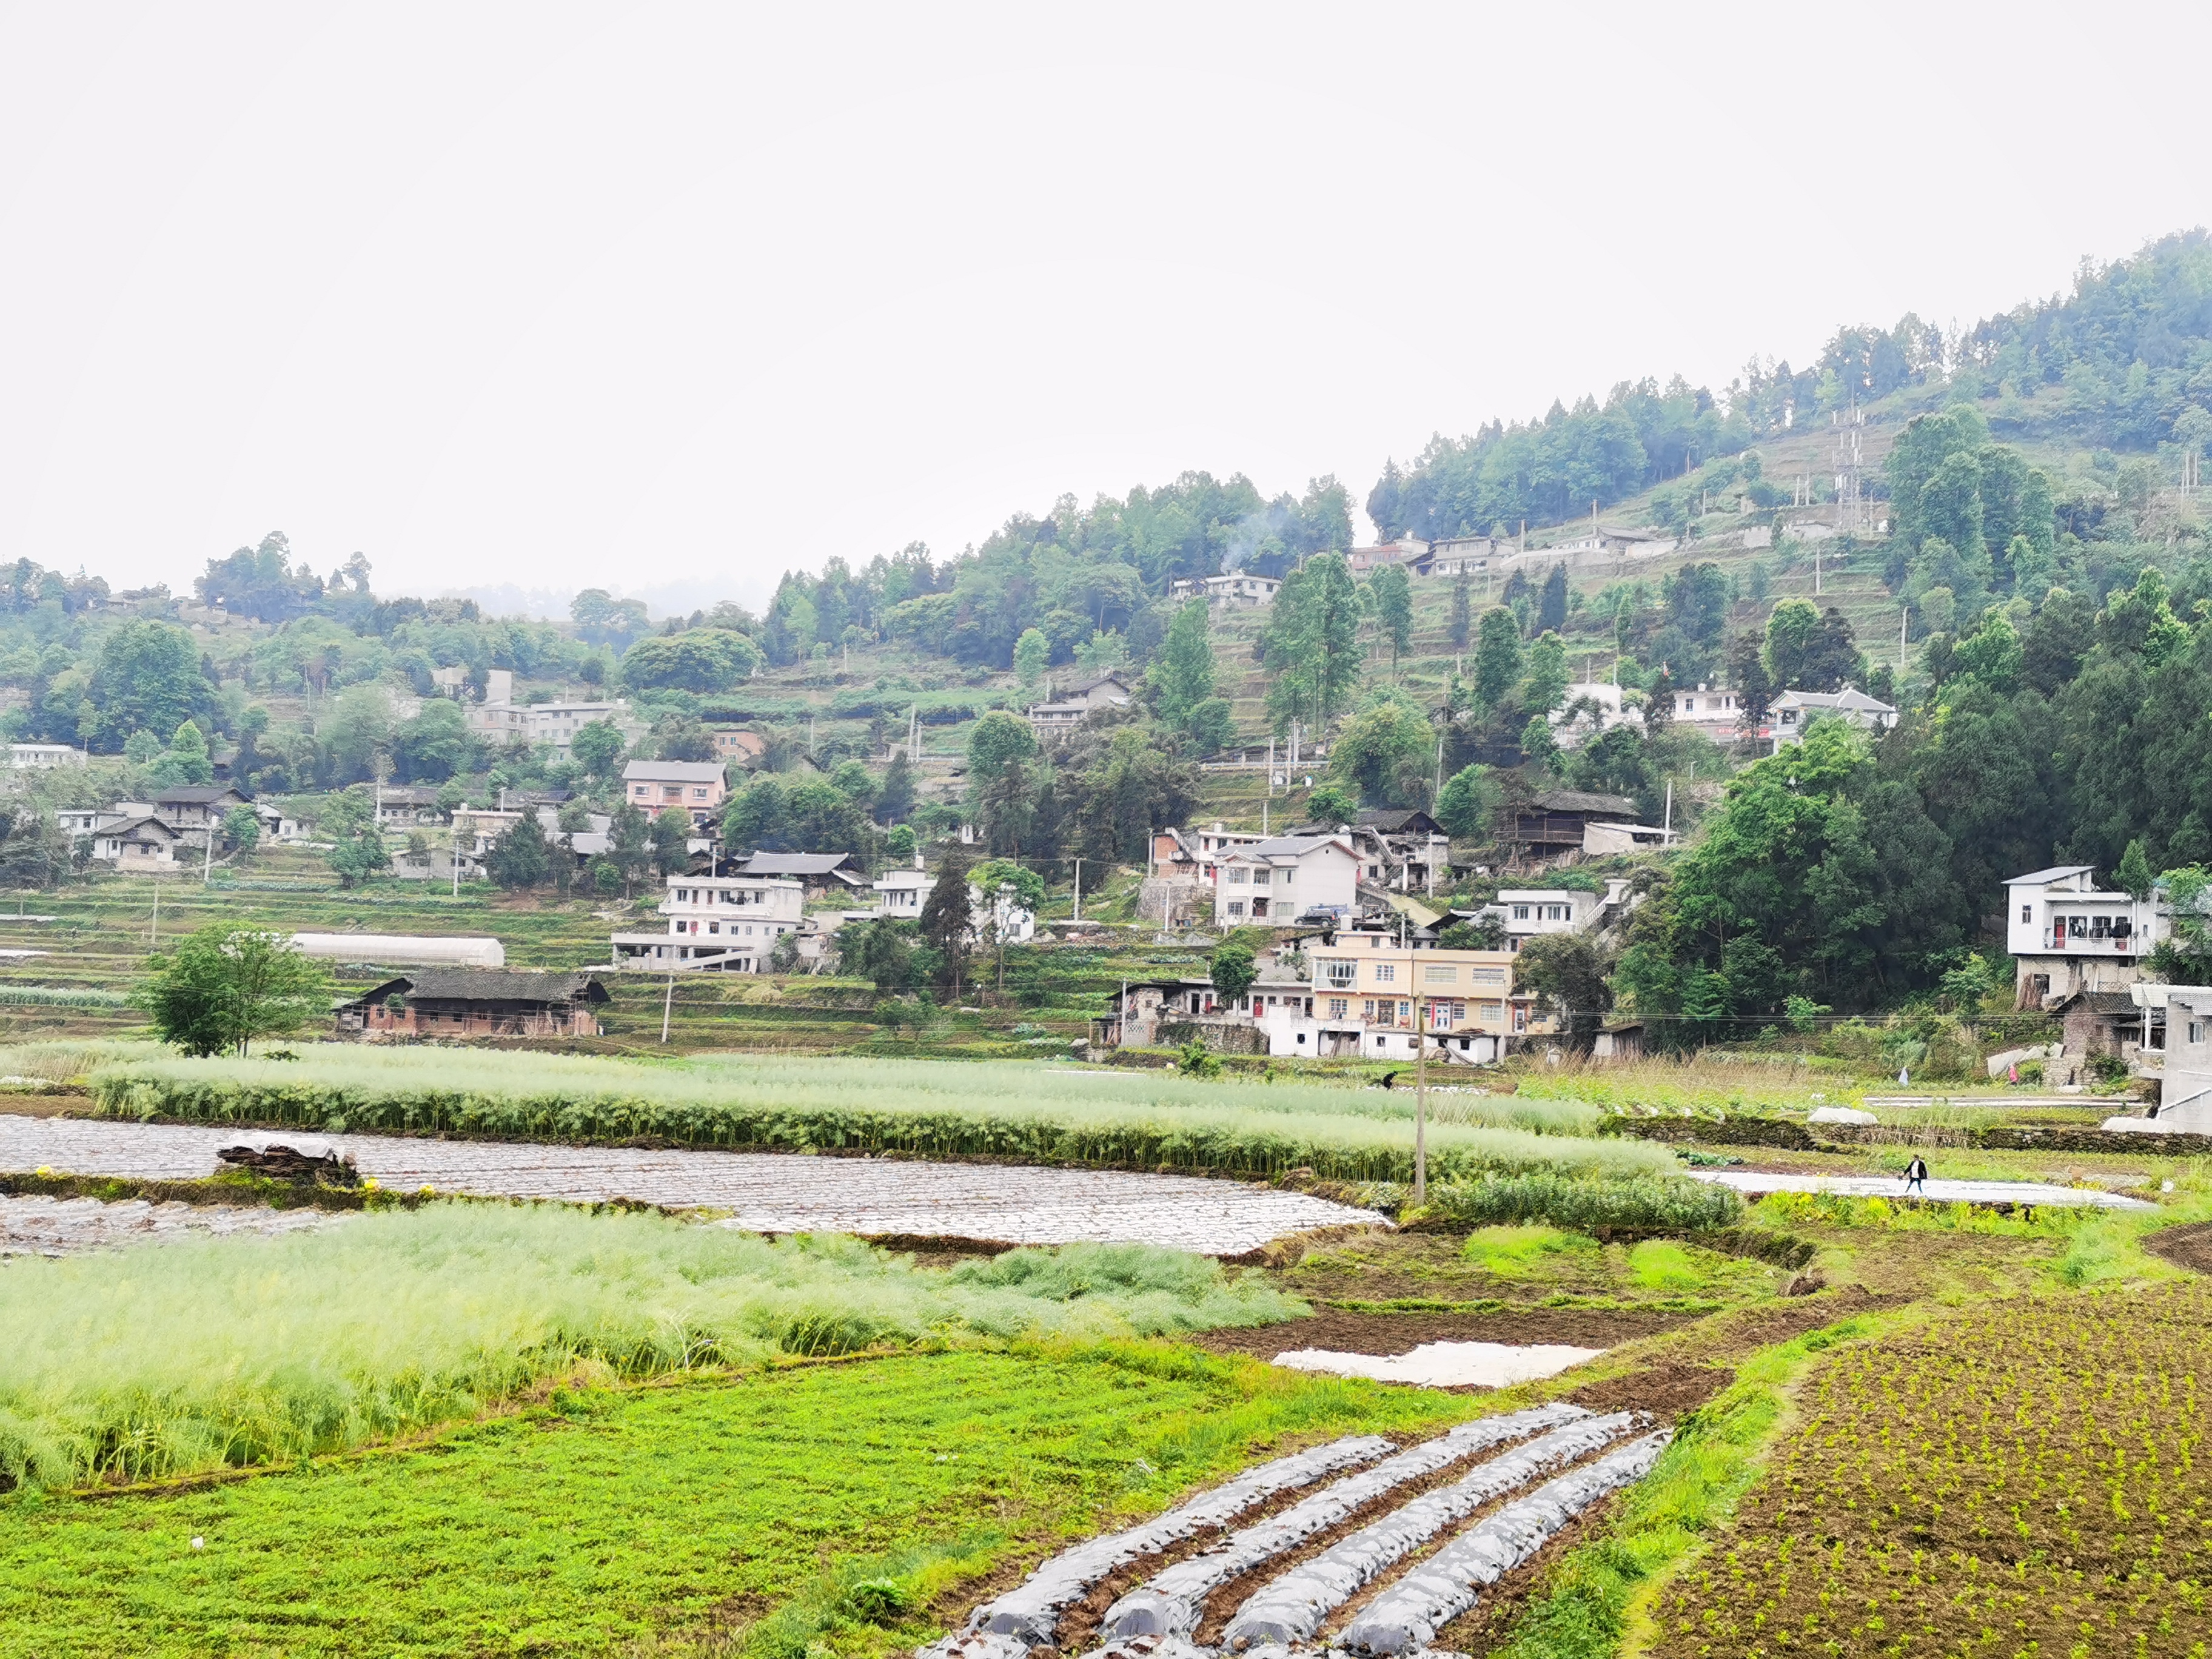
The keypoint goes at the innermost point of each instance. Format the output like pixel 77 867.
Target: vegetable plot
pixel 1363 1525
pixel 2019 1480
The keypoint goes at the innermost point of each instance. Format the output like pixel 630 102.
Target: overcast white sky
pixel 560 296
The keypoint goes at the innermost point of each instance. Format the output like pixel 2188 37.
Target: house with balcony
pixel 900 893
pixel 715 924
pixel 1273 883
pixel 698 787
pixel 2067 937
pixel 1372 998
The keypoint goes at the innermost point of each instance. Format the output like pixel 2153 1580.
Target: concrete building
pixel 1712 710
pixel 900 893
pixel 141 843
pixel 1374 998
pixel 1793 711
pixel 475 1002
pixel 1236 590
pixel 824 875
pixel 721 924
pixel 1277 881
pixel 194 809
pixel 697 786
pixel 2068 936
pixel 1052 720
pixel 1532 912
pixel 43 756
pixel 408 805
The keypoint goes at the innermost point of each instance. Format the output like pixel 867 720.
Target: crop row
pixel 2022 1479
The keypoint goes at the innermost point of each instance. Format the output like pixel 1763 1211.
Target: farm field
pixel 2020 1479
pixel 597 1519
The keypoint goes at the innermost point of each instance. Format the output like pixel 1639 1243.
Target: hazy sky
pixel 560 296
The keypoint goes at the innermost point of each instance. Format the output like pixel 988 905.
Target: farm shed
pixel 442 1002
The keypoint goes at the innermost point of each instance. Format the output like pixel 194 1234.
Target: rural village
pixel 718 1007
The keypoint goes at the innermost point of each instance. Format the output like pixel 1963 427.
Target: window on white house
pixel 2028 913
pixel 1338 1007
pixel 1236 875
pixel 1385 972
pixel 1236 907
pixel 1519 913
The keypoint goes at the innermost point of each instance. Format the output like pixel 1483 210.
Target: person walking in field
pixel 1916 1174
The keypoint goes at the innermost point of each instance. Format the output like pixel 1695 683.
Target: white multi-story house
pixel 2066 935
pixel 1236 590
pixel 1371 997
pixel 1713 710
pixel 900 893
pixel 1054 720
pixel 1274 882
pixel 41 756
pixel 723 924
pixel 1793 711
pixel 1530 912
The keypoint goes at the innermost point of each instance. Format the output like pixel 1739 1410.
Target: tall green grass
pixel 1675 1204
pixel 193 1356
pixel 1034 1113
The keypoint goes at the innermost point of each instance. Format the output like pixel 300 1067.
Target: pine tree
pixel 1462 607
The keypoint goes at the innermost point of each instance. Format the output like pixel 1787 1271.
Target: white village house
pixel 721 924
pixel 1285 877
pixel 1053 720
pixel 2067 935
pixel 1793 711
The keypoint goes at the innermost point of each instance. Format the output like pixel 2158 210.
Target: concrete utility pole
pixel 1078 890
pixel 667 1005
pixel 1420 1106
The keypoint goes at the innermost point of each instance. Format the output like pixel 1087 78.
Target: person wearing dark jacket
pixel 1916 1173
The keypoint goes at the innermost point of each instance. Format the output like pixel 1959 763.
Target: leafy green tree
pixel 2134 873
pixel 630 845
pixel 998 740
pixel 1233 971
pixel 947 917
pixel 242 829
pixel 142 749
pixel 147 678
pixel 1332 803
pixel 357 850
pixel 880 949
pixel 1496 656
pixel 1000 795
pixel 1183 676
pixel 1032 653
pixel 1552 608
pixel 1483 931
pixel 995 873
pixel 1212 726
pixel 697 659
pixel 672 833
pixel 895 795
pixel 598 747
pixel 1461 626
pixel 522 858
pixel 899 843
pixel 678 737
pixel 435 744
pixel 1571 975
pixel 1392 591
pixel 221 988
pixel 1469 798
pixel 1544 680
pixel 1385 754
pixel 1312 643
pixel 1755 687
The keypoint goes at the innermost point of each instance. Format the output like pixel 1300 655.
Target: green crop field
pixel 2019 1480
pixel 595 1520
pixel 217 1352
pixel 1030 1112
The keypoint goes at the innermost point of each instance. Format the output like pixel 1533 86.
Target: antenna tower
pixel 1851 504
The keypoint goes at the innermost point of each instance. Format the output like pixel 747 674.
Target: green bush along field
pixel 1034 1113
pixel 591 1523
pixel 205 1353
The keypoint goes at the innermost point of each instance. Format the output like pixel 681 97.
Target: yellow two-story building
pixel 1372 997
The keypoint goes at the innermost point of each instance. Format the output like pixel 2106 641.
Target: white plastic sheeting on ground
pixel 1173 1601
pixel 1954 1192
pixel 1406 1618
pixel 1028 1615
pixel 1291 1609
pixel 1447 1364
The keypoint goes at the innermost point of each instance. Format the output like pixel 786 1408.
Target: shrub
pixel 1582 1206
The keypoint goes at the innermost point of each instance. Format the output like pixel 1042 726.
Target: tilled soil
pixel 2189 1247
pixel 1391 1335
pixel 1666 1391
